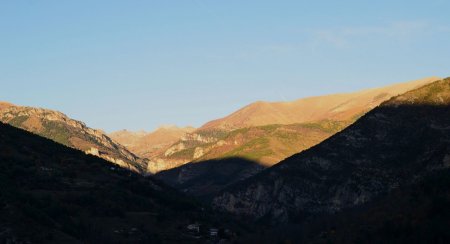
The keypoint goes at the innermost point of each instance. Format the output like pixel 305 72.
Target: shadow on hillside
pixel 51 193
pixel 398 153
pixel 206 178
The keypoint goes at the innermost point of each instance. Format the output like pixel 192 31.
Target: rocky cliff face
pixel 393 145
pixel 72 133
pixel 189 147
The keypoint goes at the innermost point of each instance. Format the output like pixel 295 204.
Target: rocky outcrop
pixel 72 133
pixel 191 146
pixel 395 144
pixel 174 149
pixel 157 165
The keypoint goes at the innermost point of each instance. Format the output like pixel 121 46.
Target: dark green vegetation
pixel 204 179
pixel 54 194
pixel 185 153
pixel 400 147
pixel 18 120
pixel 59 133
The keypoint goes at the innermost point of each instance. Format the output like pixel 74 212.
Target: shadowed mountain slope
pixel 72 133
pixel 204 179
pixel 54 194
pixel 395 144
pixel 416 213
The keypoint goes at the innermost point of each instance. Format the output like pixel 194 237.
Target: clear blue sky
pixel 139 64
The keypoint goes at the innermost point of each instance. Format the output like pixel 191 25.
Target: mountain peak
pixel 4 105
pixel 335 106
pixel 173 127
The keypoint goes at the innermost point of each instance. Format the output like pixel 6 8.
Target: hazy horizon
pixel 138 65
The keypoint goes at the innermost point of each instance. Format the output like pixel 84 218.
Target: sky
pixel 141 64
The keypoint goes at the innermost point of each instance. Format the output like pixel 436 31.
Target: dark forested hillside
pixel 394 145
pixel 205 179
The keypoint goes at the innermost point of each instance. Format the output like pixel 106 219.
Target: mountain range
pixel 336 107
pixel 251 145
pixel 149 144
pixel 267 132
pixel 365 167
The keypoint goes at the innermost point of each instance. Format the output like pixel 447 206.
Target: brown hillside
pixel 4 105
pixel 338 107
pixel 269 132
pixel 146 144
pixel 58 127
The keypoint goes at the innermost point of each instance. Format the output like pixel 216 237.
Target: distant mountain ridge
pixel 339 107
pixel 269 132
pixel 57 126
pixel 4 105
pixel 396 144
pixel 148 144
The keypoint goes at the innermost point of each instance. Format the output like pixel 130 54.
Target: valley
pixel 84 185
pixel 224 122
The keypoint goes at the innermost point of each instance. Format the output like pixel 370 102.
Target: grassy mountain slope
pixel 270 132
pixel 338 107
pixel 272 143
